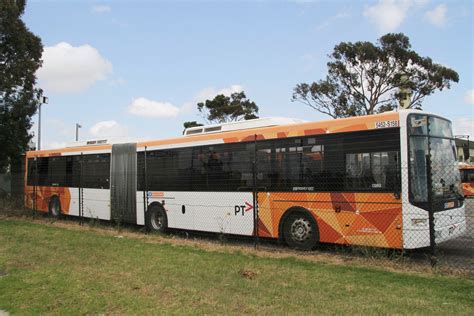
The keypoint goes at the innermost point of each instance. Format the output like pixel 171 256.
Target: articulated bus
pixel 353 181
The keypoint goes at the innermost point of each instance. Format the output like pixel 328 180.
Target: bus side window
pixel 43 171
pixel 470 175
pixel 96 171
pixel 31 180
pixel 69 171
pixel 372 171
pixel 57 171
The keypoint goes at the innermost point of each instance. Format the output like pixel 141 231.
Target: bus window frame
pixel 422 205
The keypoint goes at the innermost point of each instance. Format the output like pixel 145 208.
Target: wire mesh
pixel 300 192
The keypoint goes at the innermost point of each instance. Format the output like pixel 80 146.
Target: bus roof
pixel 357 123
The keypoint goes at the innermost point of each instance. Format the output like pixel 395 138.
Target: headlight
pixel 419 221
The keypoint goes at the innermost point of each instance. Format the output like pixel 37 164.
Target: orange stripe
pixel 312 128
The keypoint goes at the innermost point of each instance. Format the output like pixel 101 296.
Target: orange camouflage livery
pixel 44 195
pixel 467 172
pixel 361 123
pixel 468 189
pixel 342 218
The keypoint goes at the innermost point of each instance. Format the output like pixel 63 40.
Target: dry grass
pixel 360 257
pixel 63 268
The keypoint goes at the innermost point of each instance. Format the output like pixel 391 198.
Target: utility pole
pixel 39 127
pixel 78 126
pixel 43 100
pixel 405 97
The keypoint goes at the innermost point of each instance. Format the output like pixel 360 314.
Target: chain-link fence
pixel 299 194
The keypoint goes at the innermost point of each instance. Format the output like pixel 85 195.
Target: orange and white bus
pixel 355 181
pixel 467 179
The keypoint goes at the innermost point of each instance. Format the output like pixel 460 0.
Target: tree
pixel 190 124
pixel 224 109
pixel 364 78
pixel 20 57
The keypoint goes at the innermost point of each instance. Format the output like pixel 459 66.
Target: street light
pixel 43 100
pixel 78 126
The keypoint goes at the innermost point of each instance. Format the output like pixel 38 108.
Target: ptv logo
pixel 242 209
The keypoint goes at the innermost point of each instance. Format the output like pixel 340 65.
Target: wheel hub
pixel 157 221
pixel 55 209
pixel 301 229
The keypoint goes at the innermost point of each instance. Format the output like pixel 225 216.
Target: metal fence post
pixel 35 187
pixel 431 202
pixel 145 184
pixel 255 193
pixel 431 210
pixel 81 193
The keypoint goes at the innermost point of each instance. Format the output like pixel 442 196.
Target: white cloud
pixel 144 107
pixel 53 145
pixel 332 19
pixel 388 15
pixel 211 92
pixel 464 126
pixel 101 8
pixel 67 68
pixel 108 129
pixel 208 94
pixel 469 96
pixel 437 16
pixel 150 108
pixel 304 1
pixel 60 128
pixel 116 82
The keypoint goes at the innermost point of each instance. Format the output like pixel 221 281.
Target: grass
pixel 50 269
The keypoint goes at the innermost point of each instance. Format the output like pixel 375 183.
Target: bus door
pixel 123 183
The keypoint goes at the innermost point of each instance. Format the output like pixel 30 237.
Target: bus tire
pixel 156 219
pixel 55 207
pixel 300 230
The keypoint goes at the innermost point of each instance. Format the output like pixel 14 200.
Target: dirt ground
pixel 459 252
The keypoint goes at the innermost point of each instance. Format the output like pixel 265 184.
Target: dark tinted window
pixel 320 163
pixel 57 171
pixel 96 171
pixel 73 171
pixel 368 171
pixel 65 171
pixel 31 179
pixel 314 163
pixel 43 171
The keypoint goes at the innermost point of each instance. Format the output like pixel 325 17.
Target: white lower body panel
pixel 449 224
pixel 219 212
pixel 96 203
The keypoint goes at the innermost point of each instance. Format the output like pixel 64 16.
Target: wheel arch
pixel 147 215
pixel 54 197
pixel 295 210
pixel 157 204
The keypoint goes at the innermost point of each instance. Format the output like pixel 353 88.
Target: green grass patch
pixel 48 269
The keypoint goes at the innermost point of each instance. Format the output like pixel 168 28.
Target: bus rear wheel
pixel 55 207
pixel 301 231
pixel 156 220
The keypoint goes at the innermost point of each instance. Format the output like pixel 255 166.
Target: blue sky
pixel 138 68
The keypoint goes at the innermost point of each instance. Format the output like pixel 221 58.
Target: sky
pixel 137 69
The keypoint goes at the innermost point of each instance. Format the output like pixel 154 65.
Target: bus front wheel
pixel 55 207
pixel 301 231
pixel 156 220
